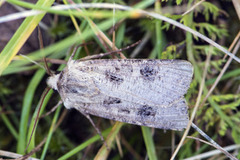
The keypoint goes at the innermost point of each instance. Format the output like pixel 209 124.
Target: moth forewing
pixel 136 91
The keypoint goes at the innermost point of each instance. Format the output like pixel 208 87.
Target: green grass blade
pixel 149 143
pixel 20 36
pixel 227 75
pixel 50 132
pixel 104 152
pixel 31 127
pixel 27 104
pixel 9 124
pixel 84 145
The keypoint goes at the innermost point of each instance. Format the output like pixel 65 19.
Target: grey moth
pixel 143 92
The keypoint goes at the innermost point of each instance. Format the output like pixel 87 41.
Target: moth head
pixel 52 81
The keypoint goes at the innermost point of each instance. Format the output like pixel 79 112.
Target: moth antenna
pixel 96 128
pixel 130 46
pixel 75 50
pixel 109 53
pixel 38 113
pixel 73 53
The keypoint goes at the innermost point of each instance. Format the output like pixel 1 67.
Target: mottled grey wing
pixel 142 92
pixel 174 117
pixel 147 82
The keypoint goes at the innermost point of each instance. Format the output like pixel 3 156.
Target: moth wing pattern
pixel 173 118
pixel 152 82
pixel 137 91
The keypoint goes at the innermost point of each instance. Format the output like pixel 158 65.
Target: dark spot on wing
pixel 146 111
pixel 91 62
pixel 84 104
pixel 114 77
pixel 126 111
pixel 60 80
pixel 184 109
pixel 71 80
pixel 74 88
pixel 57 72
pixel 70 89
pixel 117 69
pixel 151 60
pixel 148 73
pixel 137 60
pixel 124 120
pixel 111 100
pixel 61 76
pixel 84 68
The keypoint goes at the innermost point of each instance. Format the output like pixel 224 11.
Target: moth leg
pixel 53 109
pixel 96 128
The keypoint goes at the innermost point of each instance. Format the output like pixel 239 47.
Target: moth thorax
pixel 52 81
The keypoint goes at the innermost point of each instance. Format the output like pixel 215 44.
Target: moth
pixel 145 92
